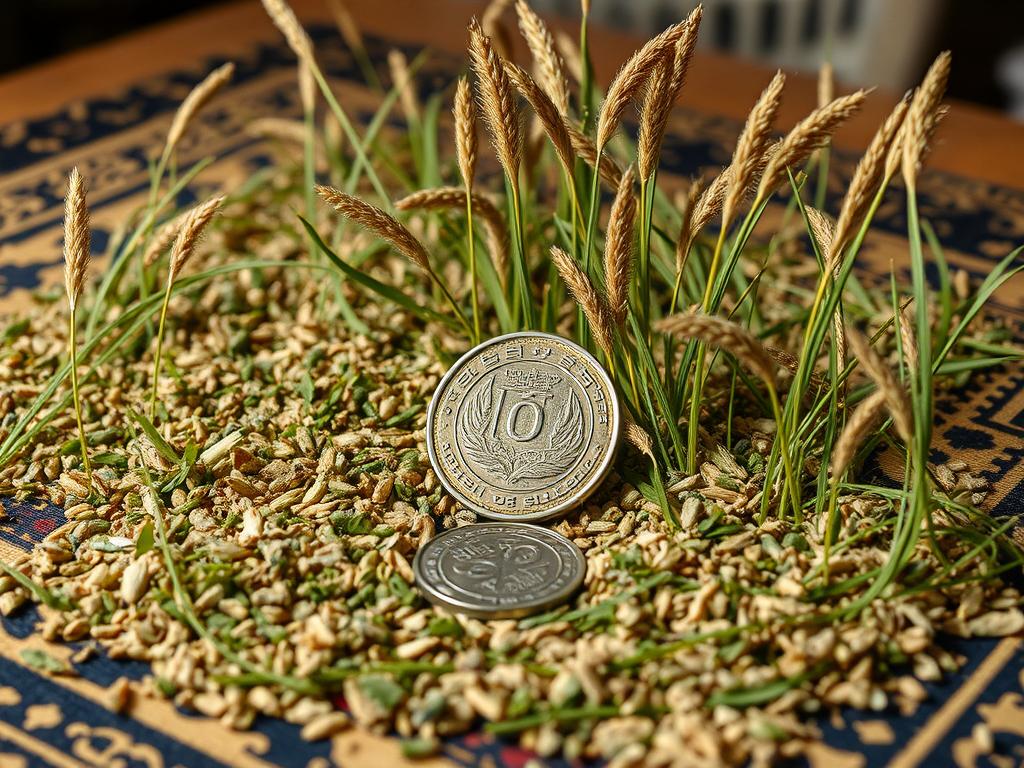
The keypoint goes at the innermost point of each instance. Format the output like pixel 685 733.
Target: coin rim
pixel 435 596
pixel 572 501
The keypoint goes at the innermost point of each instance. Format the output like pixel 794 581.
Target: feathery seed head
pixel 618 250
pixel 752 145
pixel 551 120
pixel 593 305
pixel 465 132
pixel 822 227
pixel 379 222
pixel 550 67
pixel 661 92
pixel 724 334
pixel 496 101
pixel 869 174
pixel 896 399
pixel 926 111
pixel 808 135
pixel 639 439
pixel 193 224
pixel 76 238
pixel 631 78
pixel 856 431
pixel 402 81
pixel 196 100
pixel 285 20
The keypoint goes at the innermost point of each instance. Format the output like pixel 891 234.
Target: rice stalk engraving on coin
pixel 499 570
pixel 523 427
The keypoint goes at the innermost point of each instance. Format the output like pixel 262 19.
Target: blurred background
pixel 869 42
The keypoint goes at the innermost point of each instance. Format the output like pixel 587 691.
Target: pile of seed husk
pixel 283 501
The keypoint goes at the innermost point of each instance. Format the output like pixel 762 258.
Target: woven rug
pixel 62 721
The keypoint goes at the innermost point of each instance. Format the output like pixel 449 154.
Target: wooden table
pixel 975 141
pixel 974 144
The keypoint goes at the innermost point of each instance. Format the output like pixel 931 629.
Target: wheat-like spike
pixel 863 187
pixel 693 194
pixel 926 111
pixel 403 82
pixel 895 396
pixel 724 334
pixel 593 304
pixel 285 20
pixel 162 239
pixel 497 102
pixel 908 340
pixel 584 147
pixel 192 227
pixel 550 67
pixel 822 227
pixel 826 83
pixel 380 223
pixel 618 249
pixel 856 431
pixel 454 198
pixel 566 45
pixel 630 78
pixel 707 206
pixel 663 87
pixel 197 98
pixel 553 123
pixel 752 145
pixel 76 238
pixel 347 26
pixel 465 131
pixel 808 135
pixel 639 439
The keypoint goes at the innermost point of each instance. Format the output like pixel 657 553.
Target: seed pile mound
pixel 256 551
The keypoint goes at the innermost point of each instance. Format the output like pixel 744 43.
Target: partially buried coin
pixel 523 427
pixel 499 570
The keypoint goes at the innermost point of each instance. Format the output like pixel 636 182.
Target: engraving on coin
pixel 523 427
pixel 499 570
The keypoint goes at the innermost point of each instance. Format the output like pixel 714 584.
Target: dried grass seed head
pixel 594 307
pixel 197 98
pixel 858 427
pixel 822 227
pixel 726 335
pixel 752 145
pixel 465 131
pixel 497 102
pixel 809 134
pixel 163 238
pixel 689 205
pixel 585 148
pixel 631 78
pixel 618 249
pixel 548 61
pixel 77 238
pixel 867 177
pixel 661 93
pixel 379 222
pixel 879 372
pixel 638 437
pixel 926 111
pixel 285 20
pixel 193 225
pixel 547 112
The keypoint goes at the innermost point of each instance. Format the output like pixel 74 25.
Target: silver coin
pixel 523 427
pixel 499 570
